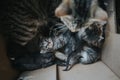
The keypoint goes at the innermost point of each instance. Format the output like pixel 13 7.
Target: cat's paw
pixel 23 77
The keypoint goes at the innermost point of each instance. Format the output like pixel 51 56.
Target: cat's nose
pixel 62 10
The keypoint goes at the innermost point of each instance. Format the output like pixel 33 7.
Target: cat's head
pixel 94 32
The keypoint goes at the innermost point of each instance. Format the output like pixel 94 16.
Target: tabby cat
pixel 24 23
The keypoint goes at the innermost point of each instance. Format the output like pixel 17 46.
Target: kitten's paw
pixel 60 56
pixel 25 77
pixel 89 56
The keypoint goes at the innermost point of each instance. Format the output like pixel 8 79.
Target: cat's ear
pixel 102 23
pixel 98 21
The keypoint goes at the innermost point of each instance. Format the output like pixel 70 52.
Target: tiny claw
pixel 68 68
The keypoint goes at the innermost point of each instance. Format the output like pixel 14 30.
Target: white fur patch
pixel 84 55
pixel 60 56
pixel 25 78
pixel 12 59
pixel 68 21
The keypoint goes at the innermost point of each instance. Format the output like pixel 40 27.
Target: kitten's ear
pixel 102 23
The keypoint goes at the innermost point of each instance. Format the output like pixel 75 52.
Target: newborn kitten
pixel 89 41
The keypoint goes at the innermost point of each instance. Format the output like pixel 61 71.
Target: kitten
pixel 89 42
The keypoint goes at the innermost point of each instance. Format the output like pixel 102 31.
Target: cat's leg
pixel 33 61
pixel 89 55
pixel 47 59
pixel 60 58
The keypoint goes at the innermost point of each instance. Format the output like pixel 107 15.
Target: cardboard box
pixel 107 69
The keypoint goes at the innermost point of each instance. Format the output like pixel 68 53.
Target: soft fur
pixel 90 29
pixel 35 35
pixel 24 24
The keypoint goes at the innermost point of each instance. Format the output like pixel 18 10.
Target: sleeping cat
pixel 24 23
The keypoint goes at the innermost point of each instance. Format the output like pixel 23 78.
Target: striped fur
pixel 27 18
pixel 26 23
pixel 29 23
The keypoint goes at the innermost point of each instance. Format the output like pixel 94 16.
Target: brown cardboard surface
pixel 112 17
pixel 40 74
pixel 6 71
pixel 96 71
pixel 111 52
